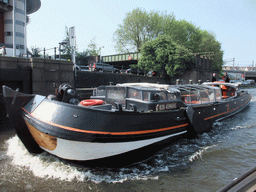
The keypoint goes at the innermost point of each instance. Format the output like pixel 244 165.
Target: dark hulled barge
pixel 118 119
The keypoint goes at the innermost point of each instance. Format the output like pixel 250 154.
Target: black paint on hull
pixel 96 126
pixel 204 116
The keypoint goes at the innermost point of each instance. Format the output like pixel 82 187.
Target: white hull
pixel 82 151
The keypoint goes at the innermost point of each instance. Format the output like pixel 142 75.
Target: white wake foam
pixel 199 154
pixel 50 167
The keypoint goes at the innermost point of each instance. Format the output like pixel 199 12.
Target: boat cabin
pixel 199 94
pixel 149 97
pixel 157 97
pixel 140 96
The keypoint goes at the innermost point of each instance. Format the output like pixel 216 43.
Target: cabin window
pixel 204 96
pixel 99 92
pixel 116 95
pixel 218 94
pixel 195 97
pixel 171 96
pixel 191 97
pixel 135 94
pixel 184 96
pixel 162 95
pixel 146 96
pixel 211 93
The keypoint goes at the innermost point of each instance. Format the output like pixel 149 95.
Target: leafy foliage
pixel 139 28
pixel 209 44
pixel 35 51
pixel 197 41
pixel 92 49
pixel 165 56
pixel 81 58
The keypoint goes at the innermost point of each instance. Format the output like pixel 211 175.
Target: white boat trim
pixel 82 151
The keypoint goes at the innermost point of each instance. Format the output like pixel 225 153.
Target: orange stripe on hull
pixel 111 133
pixel 224 112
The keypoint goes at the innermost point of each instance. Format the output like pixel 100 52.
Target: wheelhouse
pixel 141 96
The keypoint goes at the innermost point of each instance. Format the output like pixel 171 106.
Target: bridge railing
pixel 121 57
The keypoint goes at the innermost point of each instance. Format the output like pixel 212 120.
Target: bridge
pixel 122 60
pixel 240 72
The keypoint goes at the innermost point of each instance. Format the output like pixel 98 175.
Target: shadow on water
pixel 6 129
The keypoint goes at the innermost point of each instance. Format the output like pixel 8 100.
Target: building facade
pixel 13 21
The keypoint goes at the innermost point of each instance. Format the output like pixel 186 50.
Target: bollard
pixel 199 82
pixel 190 81
pixel 177 81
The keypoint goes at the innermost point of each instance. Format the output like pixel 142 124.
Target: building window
pixel 8 33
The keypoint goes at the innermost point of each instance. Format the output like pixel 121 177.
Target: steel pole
pixel 25 28
pixel 13 29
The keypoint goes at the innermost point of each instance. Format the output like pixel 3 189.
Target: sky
pixel 232 22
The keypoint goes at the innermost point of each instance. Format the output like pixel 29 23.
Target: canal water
pixel 203 164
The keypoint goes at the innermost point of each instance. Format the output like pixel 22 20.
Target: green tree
pixel 81 58
pixel 165 56
pixel 138 28
pixel 208 43
pixel 35 51
pixel 184 33
pixel 197 41
pixel 92 49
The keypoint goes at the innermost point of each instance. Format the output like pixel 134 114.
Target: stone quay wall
pixel 41 76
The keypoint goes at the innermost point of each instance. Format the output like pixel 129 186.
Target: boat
pixel 208 105
pixel 118 119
